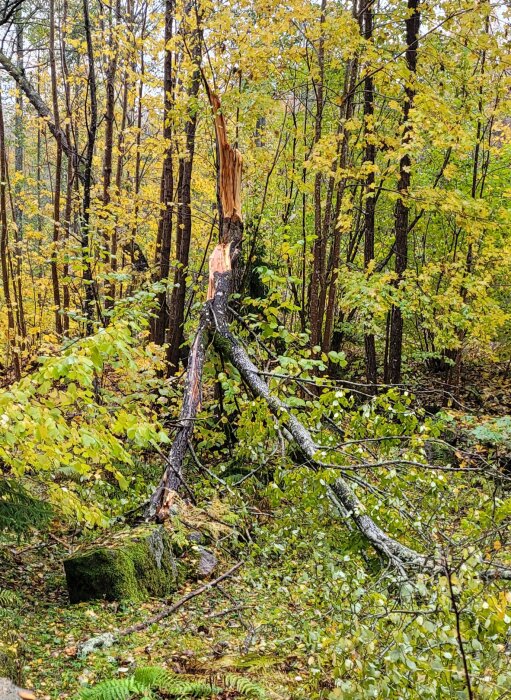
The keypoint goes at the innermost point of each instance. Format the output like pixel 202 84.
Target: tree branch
pixel 41 108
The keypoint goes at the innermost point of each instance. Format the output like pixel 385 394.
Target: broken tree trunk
pixel 221 266
pixel 214 321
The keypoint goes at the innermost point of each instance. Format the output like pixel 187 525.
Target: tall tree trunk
pixel 402 210
pixel 138 259
pixel 68 207
pixel 345 113
pixel 87 177
pixel 4 252
pixel 19 158
pixel 184 214
pixel 164 240
pixel 370 192
pixel 58 176
pixel 319 247
pixel 454 376
pixel 111 244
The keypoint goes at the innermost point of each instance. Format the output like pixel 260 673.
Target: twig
pixel 461 646
pixel 107 639
pixel 175 606
pixel 227 611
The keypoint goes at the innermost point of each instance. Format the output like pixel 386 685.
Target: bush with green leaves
pixel 75 426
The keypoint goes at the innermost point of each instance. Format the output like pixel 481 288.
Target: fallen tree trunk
pixel 42 110
pixel 214 320
pixel 396 552
pixel 214 323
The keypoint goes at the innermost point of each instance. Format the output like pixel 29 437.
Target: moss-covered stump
pixel 134 565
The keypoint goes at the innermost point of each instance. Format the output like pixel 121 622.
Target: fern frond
pixel 113 689
pixel 154 677
pixel 245 686
pixel 8 599
pixel 145 680
pixel 20 512
pixel 191 689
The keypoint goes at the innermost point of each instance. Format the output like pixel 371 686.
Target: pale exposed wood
pixel 26 695
pixel 231 162
pixel 219 262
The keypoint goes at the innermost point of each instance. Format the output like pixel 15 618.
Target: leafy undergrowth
pixel 311 614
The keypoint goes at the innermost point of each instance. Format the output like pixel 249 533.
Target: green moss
pixel 134 566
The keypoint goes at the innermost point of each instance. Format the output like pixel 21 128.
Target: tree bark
pixel 184 214
pixel 87 177
pixel 4 253
pixel 319 247
pixel 19 159
pixel 402 210
pixel 58 176
pixel 370 192
pixel 164 239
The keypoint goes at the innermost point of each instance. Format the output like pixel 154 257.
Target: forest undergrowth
pixel 312 612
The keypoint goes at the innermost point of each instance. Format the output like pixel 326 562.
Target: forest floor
pixel 223 631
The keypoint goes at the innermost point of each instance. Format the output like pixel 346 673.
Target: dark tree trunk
pixel 330 286
pixel 320 241
pixel 71 164
pixel 370 202
pixel 184 216
pixel 164 240
pixel 87 177
pixel 4 252
pixel 58 177
pixel 402 210
pixel 19 158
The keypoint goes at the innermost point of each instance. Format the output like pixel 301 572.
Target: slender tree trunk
pixel 346 113
pixel 319 248
pixel 58 177
pixel 87 177
pixel 370 192
pixel 19 158
pixel 402 210
pixel 68 207
pixel 184 215
pixel 454 377
pixel 138 259
pixel 109 139
pixel 4 252
pixel 164 240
